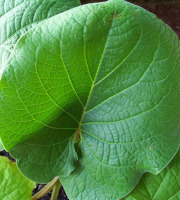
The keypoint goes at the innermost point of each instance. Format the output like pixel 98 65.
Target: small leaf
pixel 13 185
pixel 165 185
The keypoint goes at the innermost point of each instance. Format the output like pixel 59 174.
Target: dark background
pixel 169 12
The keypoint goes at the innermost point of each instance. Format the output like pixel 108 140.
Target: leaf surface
pixel 165 185
pixel 12 183
pixel 18 16
pixel 108 72
pixel 1 146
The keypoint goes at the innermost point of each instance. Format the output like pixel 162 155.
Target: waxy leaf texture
pixel 165 185
pixel 106 72
pixel 19 16
pixel 13 185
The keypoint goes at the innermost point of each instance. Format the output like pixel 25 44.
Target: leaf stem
pixel 56 189
pixel 77 136
pixel 47 188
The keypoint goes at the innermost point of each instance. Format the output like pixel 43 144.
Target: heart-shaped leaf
pixel 165 185
pixel 13 185
pixel 107 73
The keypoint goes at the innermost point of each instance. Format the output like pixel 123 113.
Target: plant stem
pixel 47 188
pixel 77 136
pixel 56 189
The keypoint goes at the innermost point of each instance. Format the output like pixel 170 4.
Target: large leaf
pixel 106 72
pixel 165 185
pixel 18 16
pixel 13 185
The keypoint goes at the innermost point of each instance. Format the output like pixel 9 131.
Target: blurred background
pixel 167 10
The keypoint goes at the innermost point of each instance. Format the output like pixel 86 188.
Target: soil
pixel 169 12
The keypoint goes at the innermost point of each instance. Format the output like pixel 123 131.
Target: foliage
pixel 90 95
pixel 1 146
pixel 12 183
pixel 19 16
pixel 165 185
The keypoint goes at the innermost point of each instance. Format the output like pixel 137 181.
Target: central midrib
pixel 77 134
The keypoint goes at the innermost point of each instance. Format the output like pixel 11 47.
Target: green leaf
pixel 106 72
pixel 1 146
pixel 165 185
pixel 47 155
pixel 18 16
pixel 12 183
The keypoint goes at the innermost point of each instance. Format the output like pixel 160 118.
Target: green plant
pixel 1 146
pixel 165 185
pixel 12 183
pixel 90 95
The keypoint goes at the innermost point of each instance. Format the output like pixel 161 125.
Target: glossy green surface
pixel 109 71
pixel 16 18
pixel 165 185
pixel 19 16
